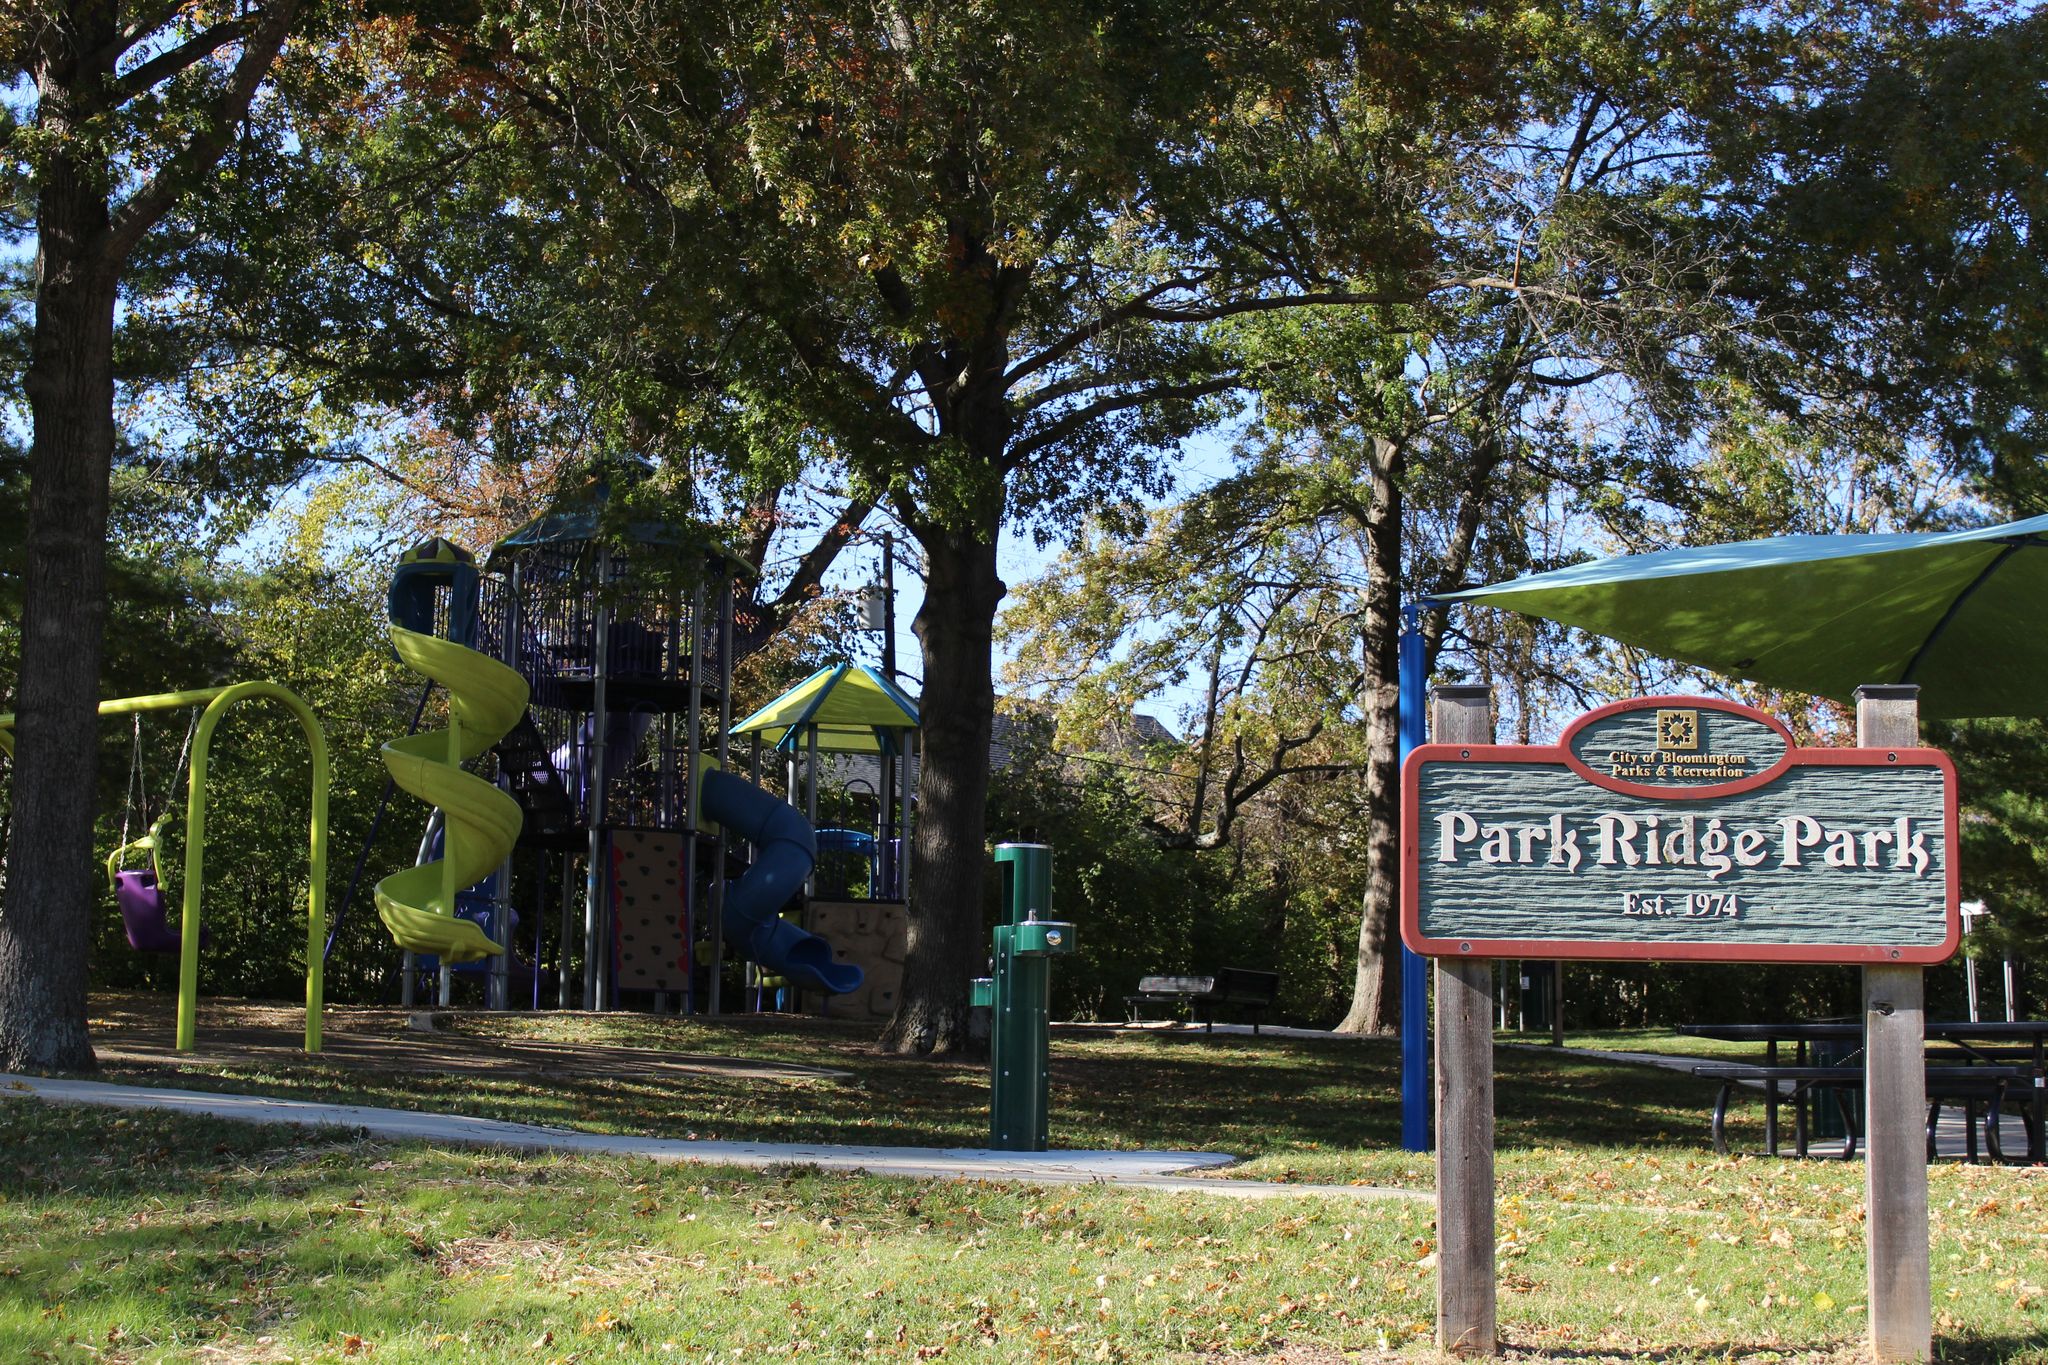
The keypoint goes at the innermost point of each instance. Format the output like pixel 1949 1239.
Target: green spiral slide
pixel 485 699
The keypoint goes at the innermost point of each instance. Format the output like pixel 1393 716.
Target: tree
pixel 131 111
pixel 1552 356
pixel 1644 320
pixel 451 320
pixel 972 256
pixel 1907 174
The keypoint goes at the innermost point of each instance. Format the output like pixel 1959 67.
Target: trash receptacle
pixel 1827 1099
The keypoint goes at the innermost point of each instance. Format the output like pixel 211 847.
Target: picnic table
pixel 1251 992
pixel 1966 1061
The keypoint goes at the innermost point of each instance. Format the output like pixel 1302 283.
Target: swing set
pixel 139 893
pixel 142 890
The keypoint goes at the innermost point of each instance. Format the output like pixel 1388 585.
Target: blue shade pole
pixel 1415 1116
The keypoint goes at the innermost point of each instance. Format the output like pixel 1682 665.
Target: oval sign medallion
pixel 1677 747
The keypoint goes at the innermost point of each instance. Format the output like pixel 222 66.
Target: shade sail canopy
pixel 1959 613
pixel 855 709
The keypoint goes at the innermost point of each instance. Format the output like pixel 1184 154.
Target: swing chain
pixel 136 785
pixel 185 749
pixel 138 780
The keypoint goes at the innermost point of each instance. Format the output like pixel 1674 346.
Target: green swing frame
pixel 217 701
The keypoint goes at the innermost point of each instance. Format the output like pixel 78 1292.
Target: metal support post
pixel 717 974
pixel 1415 1112
pixel 563 975
pixel 906 861
pixel 694 754
pixel 1019 1042
pixel 597 930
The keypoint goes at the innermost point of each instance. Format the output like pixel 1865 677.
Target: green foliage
pixel 2002 767
pixel 163 633
pixel 1907 175
pixel 1142 908
pixel 318 630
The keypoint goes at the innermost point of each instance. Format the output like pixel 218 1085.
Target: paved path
pixel 1145 1170
pixel 1175 1028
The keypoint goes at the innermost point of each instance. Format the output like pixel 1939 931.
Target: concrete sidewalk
pixel 1145 1170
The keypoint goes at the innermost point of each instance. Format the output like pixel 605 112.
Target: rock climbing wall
pixel 872 936
pixel 647 895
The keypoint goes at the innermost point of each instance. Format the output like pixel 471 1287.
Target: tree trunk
pixel 45 928
pixel 1376 988
pixel 947 946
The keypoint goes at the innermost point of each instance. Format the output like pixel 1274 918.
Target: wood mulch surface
pixel 138 1031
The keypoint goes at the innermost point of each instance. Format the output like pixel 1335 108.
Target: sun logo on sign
pixel 1679 730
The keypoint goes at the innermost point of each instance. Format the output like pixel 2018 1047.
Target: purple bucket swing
pixel 139 892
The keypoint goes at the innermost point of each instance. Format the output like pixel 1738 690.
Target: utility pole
pixel 889 605
pixel 894 819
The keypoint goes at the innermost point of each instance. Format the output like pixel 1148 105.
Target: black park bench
pixel 1238 988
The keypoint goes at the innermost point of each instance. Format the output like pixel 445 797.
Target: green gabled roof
pixel 579 515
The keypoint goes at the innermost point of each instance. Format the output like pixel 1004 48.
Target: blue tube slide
pixel 784 849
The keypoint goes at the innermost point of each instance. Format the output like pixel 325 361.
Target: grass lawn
pixel 1295 1109
pixel 148 1237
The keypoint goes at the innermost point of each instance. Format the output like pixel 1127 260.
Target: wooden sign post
pixel 1465 1271
pixel 1895 1101
pixel 1676 829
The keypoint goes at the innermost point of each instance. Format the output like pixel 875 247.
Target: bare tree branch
pixel 1080 417
pixel 189 53
pixel 148 204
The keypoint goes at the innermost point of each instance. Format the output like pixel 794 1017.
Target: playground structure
pixel 141 897
pixel 850 722
pixel 593 661
pixel 485 700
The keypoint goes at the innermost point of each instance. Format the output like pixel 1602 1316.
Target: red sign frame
pixel 1571 950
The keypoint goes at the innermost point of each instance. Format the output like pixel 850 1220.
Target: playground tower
pixel 623 631
pixel 619 636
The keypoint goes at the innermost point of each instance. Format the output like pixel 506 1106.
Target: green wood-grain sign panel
pixel 1733 846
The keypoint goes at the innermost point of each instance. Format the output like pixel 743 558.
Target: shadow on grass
pixel 2029 1348
pixel 1252 1096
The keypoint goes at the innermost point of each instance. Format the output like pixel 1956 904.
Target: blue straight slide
pixel 784 850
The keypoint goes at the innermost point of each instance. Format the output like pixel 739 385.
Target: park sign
pixel 1679 828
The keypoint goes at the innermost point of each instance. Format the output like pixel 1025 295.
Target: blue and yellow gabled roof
pixel 855 709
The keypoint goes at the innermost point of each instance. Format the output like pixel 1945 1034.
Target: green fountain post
pixel 1019 993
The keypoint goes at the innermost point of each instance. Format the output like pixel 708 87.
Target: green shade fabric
pixel 1958 613
pixel 855 709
